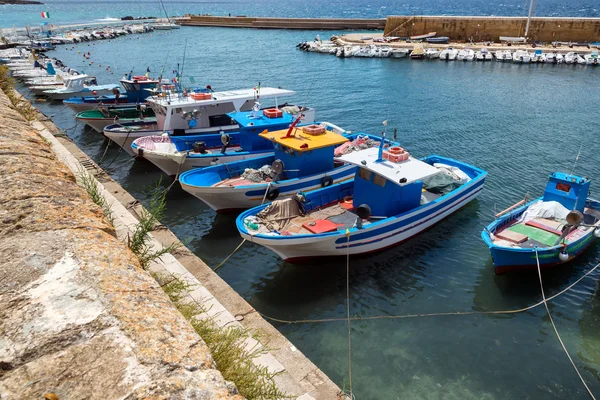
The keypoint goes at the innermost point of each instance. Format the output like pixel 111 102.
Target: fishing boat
pixel 392 198
pixel 423 37
pixel 176 153
pixel 137 90
pixel 106 115
pixel 303 160
pixel 75 86
pixel 448 54
pixel 438 39
pixel 197 114
pixel 553 229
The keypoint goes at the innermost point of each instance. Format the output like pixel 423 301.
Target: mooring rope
pixel 244 240
pixel 348 311
pixel 440 314
pixel 554 326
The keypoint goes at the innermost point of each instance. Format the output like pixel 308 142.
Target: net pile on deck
pixel 263 174
pixel 360 143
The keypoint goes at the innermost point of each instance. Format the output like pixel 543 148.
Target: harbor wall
pixel 463 28
pixel 79 317
pixel 283 23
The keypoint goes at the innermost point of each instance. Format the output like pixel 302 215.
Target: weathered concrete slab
pixel 78 316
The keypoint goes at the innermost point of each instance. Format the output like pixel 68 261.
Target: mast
pixel 529 18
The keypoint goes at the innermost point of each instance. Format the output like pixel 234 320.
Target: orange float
pixel 272 113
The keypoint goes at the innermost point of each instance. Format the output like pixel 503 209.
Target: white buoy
pixel 563 256
pixel 597 232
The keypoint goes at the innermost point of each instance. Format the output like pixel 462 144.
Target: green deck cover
pixel 547 238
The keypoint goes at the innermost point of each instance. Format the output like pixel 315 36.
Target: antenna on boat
pixel 576 159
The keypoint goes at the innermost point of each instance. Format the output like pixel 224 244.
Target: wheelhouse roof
pixel 411 169
pixel 301 141
pixel 237 97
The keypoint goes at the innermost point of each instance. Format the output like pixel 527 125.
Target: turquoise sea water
pixel 78 11
pixel 519 122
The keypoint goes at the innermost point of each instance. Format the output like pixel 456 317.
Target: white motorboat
pixel 551 58
pixel 448 54
pixel 571 57
pixel 483 55
pixel 521 57
pixel 538 57
pixel 432 53
pixel 503 55
pixel 465 55
pixel 400 53
pixel 581 60
pixel 75 86
pixel 592 59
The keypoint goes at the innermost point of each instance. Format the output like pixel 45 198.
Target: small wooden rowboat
pixel 553 229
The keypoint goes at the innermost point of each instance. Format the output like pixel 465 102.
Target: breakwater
pixel 460 28
pixel 464 28
pixel 284 23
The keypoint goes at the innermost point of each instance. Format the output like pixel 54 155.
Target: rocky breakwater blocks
pixel 78 316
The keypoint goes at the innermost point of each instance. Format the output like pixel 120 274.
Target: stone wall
pixel 283 23
pixel 78 316
pixel 491 28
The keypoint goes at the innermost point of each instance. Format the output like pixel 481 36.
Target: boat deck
pixel 543 232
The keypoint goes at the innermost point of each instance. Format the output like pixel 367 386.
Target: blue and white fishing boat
pixel 193 114
pixel 179 152
pixel 303 161
pixel 392 198
pixel 554 228
pixel 137 90
pixel 75 86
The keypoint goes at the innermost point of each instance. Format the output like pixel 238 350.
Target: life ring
pixel 314 129
pixel 326 181
pixel 272 193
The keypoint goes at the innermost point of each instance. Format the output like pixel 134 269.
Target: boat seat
pixel 513 237
pixel 547 225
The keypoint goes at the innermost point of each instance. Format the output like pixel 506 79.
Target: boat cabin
pixel 569 190
pixel 304 150
pixel 75 83
pixel 205 110
pixel 250 123
pixel 390 181
pixel 138 88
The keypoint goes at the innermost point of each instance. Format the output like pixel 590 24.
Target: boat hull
pixel 507 259
pixel 229 199
pixel 372 238
pixel 173 168
pixel 67 95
